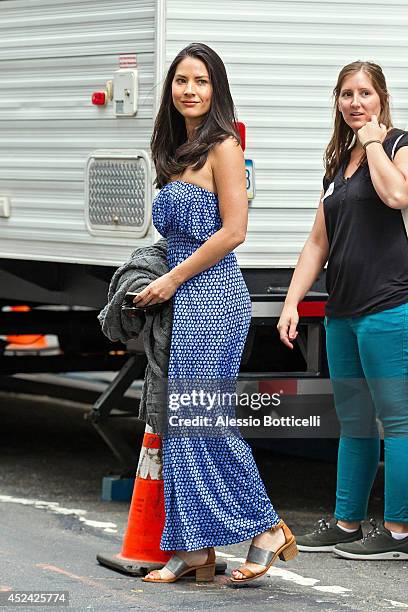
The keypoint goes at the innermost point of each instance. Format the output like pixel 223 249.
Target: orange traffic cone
pixel 146 515
pixel 141 545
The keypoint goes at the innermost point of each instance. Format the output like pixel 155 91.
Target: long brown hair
pixel 343 135
pixel 172 153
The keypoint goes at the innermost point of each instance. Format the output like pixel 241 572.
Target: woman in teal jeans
pixel 359 231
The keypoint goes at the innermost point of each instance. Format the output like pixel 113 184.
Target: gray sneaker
pixel 378 544
pixel 325 537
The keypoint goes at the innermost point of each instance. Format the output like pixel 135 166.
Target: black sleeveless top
pixel 367 267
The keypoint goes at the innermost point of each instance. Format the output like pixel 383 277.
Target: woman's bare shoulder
pixel 226 146
pixel 228 150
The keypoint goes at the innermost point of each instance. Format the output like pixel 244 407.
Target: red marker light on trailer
pixel 242 133
pixel 99 98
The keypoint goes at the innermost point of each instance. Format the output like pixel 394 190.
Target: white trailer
pixel 76 182
pixel 282 59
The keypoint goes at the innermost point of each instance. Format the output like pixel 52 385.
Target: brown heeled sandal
pixel 261 556
pixel 177 565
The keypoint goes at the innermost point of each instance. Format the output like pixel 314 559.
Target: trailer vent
pixel 118 193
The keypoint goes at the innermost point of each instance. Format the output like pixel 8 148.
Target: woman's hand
pixel 287 325
pixel 389 177
pixel 372 130
pixel 160 290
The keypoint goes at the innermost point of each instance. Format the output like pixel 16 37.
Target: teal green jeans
pixel 368 363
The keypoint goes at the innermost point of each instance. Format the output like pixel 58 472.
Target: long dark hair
pixel 172 153
pixel 343 135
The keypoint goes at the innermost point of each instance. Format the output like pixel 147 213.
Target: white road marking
pixel 277 572
pixel 339 590
pixel 57 509
pixel 396 604
pixel 292 576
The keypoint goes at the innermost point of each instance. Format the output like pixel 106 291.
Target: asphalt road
pixel 53 523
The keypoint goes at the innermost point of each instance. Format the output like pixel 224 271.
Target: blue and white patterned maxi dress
pixel 214 495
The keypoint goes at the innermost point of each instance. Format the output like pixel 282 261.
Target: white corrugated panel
pixel 283 59
pixel 53 55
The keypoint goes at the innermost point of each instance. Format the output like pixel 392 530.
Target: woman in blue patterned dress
pixel 214 495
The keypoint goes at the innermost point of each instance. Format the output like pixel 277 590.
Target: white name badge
pixel 328 191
